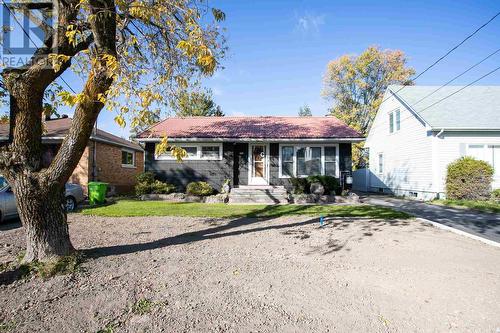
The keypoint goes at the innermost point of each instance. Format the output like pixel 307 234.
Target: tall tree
pixel 196 103
pixel 356 84
pixel 133 56
pixel 305 111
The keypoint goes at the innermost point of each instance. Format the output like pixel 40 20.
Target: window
pixel 309 161
pixel 210 152
pixel 191 151
pixel 287 161
pixel 303 161
pixel 398 120
pixel 394 121
pixel 331 161
pixel 128 158
pixel 196 152
pixel 380 163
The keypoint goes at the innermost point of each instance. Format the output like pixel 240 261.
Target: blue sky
pixel 279 49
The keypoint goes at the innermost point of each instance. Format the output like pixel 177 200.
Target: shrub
pixel 495 195
pixel 300 185
pixel 146 184
pixel 468 179
pixel 199 188
pixel 145 177
pixel 331 184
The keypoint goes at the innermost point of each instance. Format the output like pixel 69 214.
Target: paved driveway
pixel 486 225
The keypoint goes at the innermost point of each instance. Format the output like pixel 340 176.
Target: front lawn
pixel 160 208
pixel 485 206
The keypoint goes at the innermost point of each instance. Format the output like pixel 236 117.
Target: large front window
pixel 303 161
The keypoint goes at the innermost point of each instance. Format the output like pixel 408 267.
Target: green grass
pixel 485 206
pixel 159 208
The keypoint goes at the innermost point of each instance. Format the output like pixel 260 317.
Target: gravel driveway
pixel 249 275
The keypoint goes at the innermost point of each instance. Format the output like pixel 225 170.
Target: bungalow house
pixel 250 151
pixel 107 157
pixel 419 130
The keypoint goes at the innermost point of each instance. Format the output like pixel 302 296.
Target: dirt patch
pixel 288 274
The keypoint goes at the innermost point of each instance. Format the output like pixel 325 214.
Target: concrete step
pixel 265 194
pixel 258 199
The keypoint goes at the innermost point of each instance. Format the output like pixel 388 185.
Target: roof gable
pixel 252 128
pixel 474 107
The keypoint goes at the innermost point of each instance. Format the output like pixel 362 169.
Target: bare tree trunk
pixel 42 212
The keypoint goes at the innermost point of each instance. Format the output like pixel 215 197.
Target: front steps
pixel 267 194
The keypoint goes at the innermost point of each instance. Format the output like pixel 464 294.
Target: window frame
pixel 128 151
pixel 199 146
pixel 295 164
pixel 394 121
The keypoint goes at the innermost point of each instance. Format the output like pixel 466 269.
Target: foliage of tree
pixel 469 179
pixel 356 84
pixel 196 103
pixel 305 111
pixel 133 57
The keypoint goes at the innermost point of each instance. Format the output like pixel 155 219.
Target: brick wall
pixel 82 171
pixel 109 167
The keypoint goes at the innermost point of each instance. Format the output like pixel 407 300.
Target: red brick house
pixel 107 158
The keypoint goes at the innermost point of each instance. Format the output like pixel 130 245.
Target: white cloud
pixel 309 23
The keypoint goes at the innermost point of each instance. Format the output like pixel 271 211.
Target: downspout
pixel 440 132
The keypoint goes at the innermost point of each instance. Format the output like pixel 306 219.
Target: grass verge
pixel 128 208
pixel 485 206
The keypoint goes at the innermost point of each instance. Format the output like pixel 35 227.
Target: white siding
pixel 407 153
pixel 452 145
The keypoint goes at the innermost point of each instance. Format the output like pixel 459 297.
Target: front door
pixel 258 164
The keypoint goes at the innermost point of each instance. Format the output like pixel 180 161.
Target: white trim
pixel 250 163
pixel 296 147
pixel 168 157
pixel 256 140
pixel 130 151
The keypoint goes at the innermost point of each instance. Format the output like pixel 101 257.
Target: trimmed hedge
pixel 199 188
pixel 303 185
pixel 469 179
pixel 331 184
pixel 146 184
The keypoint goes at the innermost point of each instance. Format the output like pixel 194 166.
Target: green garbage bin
pixel 97 192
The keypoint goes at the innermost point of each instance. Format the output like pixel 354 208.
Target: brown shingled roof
pixel 252 127
pixel 58 128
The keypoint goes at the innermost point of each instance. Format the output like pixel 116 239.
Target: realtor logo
pixel 25 26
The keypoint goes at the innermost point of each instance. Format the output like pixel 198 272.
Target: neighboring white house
pixel 419 130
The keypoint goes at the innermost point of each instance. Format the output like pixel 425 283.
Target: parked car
pixel 8 209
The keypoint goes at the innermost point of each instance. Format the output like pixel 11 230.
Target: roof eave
pixel 194 139
pixel 464 129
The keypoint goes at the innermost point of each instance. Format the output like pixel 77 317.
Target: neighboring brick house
pixel 107 158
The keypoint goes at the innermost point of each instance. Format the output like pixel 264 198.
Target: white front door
pixel 258 164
